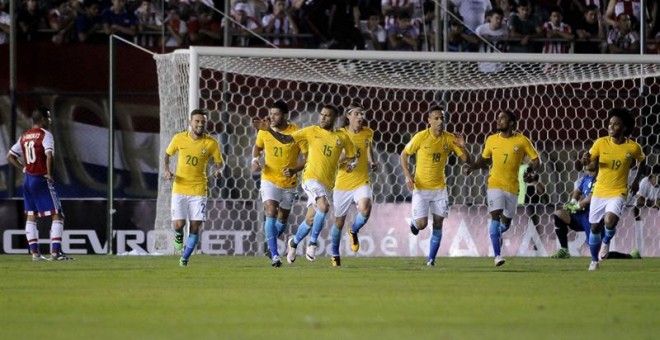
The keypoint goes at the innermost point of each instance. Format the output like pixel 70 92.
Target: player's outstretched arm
pixel 480 163
pixel 264 125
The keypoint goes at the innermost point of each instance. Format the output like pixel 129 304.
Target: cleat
pixel 594 265
pixel 635 254
pixel 276 262
pixel 60 257
pixel 310 253
pixel 562 253
pixel 414 229
pixel 355 243
pixel 183 263
pixel 178 241
pixel 336 261
pixel 430 263
pixel 290 251
pixel 604 251
pixel 39 257
pixel 499 261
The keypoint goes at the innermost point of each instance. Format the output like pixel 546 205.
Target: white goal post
pixel 561 101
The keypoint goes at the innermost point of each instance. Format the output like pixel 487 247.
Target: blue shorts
pixel 39 197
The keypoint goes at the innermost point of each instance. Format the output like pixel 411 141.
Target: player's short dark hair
pixel 557 9
pixel 436 108
pixel 39 114
pixel 202 112
pixel 625 116
pixel 511 115
pixel 333 108
pixel 281 105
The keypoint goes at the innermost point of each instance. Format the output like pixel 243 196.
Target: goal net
pixel 561 101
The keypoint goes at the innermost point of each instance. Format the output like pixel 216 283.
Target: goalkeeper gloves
pixel 572 206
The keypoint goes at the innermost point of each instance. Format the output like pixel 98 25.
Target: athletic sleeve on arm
pixel 412 146
pixel 260 139
pixel 171 149
pixel 488 151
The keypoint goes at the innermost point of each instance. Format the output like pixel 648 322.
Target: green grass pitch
pixel 113 297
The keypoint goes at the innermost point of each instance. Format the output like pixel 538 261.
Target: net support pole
pixel 111 142
pixel 193 81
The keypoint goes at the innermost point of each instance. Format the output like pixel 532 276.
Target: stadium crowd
pixel 547 26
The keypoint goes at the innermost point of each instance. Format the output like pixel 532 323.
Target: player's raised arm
pixel 264 125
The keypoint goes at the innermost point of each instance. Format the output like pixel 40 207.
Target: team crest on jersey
pixel 445 147
pixel 515 149
pixel 203 152
pixel 338 142
pixel 628 155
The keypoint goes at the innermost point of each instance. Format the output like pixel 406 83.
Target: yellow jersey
pixel 432 153
pixel 614 163
pixel 278 156
pixel 362 142
pixel 193 158
pixel 324 148
pixel 507 154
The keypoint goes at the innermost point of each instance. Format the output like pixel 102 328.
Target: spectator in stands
pixel 30 20
pixel 622 39
pixel 492 34
pixel 376 36
pixel 425 24
pixel 205 30
pixel 617 7
pixel 472 11
pixel 117 20
pixel 392 8
pixel 241 24
pixel 344 24
pixel 62 20
pixel 176 26
pixel 556 28
pixel 5 24
pixel 256 8
pixel 89 23
pixel 150 23
pixel 403 36
pixel 592 28
pixel 312 18
pixel 281 21
pixel 459 37
pixel 524 26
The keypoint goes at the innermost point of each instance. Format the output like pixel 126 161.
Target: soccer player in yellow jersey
pixel 354 186
pixel 432 147
pixel 505 151
pixel 325 145
pixel 614 155
pixel 279 175
pixel 189 193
